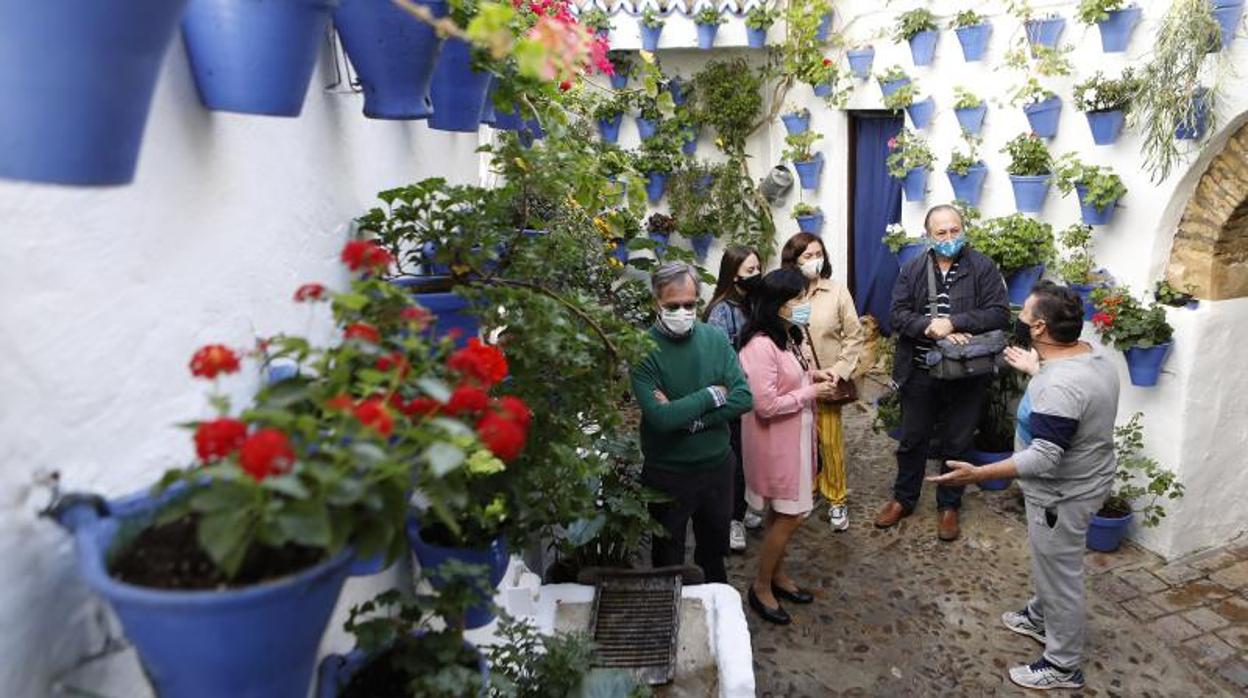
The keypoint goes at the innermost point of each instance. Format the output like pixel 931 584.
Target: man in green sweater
pixel 689 387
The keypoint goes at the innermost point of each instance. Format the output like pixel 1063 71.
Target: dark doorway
pixel 874 202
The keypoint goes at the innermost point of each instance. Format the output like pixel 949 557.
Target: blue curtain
pixel 877 202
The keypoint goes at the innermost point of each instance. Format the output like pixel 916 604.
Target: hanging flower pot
pixel 812 223
pixel 1116 30
pixel 661 240
pixel 706 36
pixel 450 310
pixel 1030 192
pixel 676 88
pixel 1105 533
pixel 1085 294
pixel 1044 115
pixel 974 40
pixel 650 38
pixel 809 172
pixel 824 30
pixel 1106 125
pixel 619 79
pixel 394 54
pixel 620 251
pixel 921 112
pixel 796 122
pixel 860 61
pixel 646 128
pixel 1044 32
pixel 969 186
pixel 909 252
pixel 656 184
pixel 1228 14
pixel 971 119
pixel 431 556
pixel 609 129
pixel 702 245
pixel 337 670
pixel 1144 363
pixel 755 38
pixel 76 105
pixel 458 89
pixel 888 87
pixel 1091 214
pixel 923 47
pixel 1195 128
pixel 914 184
pixel 988 458
pixel 1020 281
pixel 822 90
pixel 252 56
pixel 690 144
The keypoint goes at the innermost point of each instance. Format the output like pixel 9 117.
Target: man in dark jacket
pixel 970 299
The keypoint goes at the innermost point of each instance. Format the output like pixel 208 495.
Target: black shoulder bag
pixel 948 361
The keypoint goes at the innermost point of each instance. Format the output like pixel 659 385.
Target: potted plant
pixel 460 80
pixel 1044 31
pixel 1105 102
pixel 966 174
pixel 994 435
pixel 1114 18
pixel 892 80
pixel 707 20
pixel 657 158
pixel 757 21
pixel 822 77
pixel 254 57
pixel 902 97
pixel 1193 125
pixel 809 218
pixel 596 20
pixel 861 57
pixel 1141 333
pixel 393 55
pixel 621 68
pixel 902 244
pixel 1166 294
pixel 1030 171
pixel 728 98
pixel 888 415
pixel 1228 14
pixel 1020 246
pixel 918 27
pixel 1138 478
pixel 910 159
pixel 1099 188
pixel 921 111
pixel 649 116
pixel 970 110
pixel 609 114
pixel 824 30
pixel 1078 267
pixel 692 203
pixel 535 665
pixel 659 227
pixel 796 120
pixel 1042 106
pixel 651 27
pixel 973 31
pixel 808 163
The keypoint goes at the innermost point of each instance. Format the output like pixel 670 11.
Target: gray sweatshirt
pixel 1064 440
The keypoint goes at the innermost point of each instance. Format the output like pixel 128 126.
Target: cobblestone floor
pixel 900 613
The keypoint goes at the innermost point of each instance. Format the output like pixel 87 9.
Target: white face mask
pixel 811 269
pixel 679 322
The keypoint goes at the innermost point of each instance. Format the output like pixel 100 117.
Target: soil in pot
pixel 1112 509
pixel 168 556
pixel 390 674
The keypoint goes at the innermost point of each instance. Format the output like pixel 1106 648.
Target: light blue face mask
pixel 949 248
pixel 800 314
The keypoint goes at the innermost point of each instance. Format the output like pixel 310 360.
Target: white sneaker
pixel 1022 623
pixel 838 516
pixel 1044 675
pixel 736 536
pixel 752 519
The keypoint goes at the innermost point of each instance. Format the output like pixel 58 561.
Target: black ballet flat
pixel 798 596
pixel 775 615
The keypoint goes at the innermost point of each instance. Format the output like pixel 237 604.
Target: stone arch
pixel 1210 251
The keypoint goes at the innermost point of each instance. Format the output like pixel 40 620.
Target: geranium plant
pixel 912 22
pixel 966 18
pixel 802 209
pixel 1140 483
pixel 1030 92
pixel 1167 294
pixel 960 163
pixel 800 147
pixel 906 151
pixel 708 16
pixel 895 237
pixel 1095 11
pixel 1077 265
pixel 892 74
pixel 1101 185
pixel 1029 156
pixel 1099 93
pixel 903 97
pixel 760 18
pixel 965 99
pixel 596 20
pixel 1127 323
pixel 651 19
pixel 1014 242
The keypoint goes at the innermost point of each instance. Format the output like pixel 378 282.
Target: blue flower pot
pixel 646 128
pixel 458 90
pixel 1091 214
pixel 1116 31
pixel 432 556
pixel 969 186
pixel 1106 126
pixel 656 184
pixel 259 640
pixel 795 123
pixel 1043 116
pixel 620 253
pixel 337 670
pixel 78 80
pixel 755 38
pixel 1030 192
pixel 393 55
pixel 809 172
pixel 923 47
pixel 676 88
pixel 701 245
pixel 252 56
pixel 914 184
pixel 609 129
pixel 1105 534
pixel 987 458
pixel 822 89
pixel 891 86
pixel 650 38
pixel 451 316
pixel 1020 281
pixel 1045 32
pixel 812 224
pixel 660 242
pixel 824 30
pixel 690 144
pixel 1085 294
pixel 1228 14
pixel 921 113
pixel 1195 129
pixel 971 119
pixel 619 80
pixel 860 61
pixel 1144 363
pixel 909 252
pixel 974 40
pixel 706 36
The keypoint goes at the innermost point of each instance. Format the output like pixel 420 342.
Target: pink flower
pixel 598 55
pixel 892 143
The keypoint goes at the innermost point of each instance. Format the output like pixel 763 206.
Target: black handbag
pixel 982 356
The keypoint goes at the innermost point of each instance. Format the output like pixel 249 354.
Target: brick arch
pixel 1210 249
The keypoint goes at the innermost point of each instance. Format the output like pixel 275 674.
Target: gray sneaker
pixel 736 536
pixel 838 517
pixel 1044 675
pixel 1022 623
pixel 752 519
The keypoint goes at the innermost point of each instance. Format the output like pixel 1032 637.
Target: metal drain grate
pixel 636 623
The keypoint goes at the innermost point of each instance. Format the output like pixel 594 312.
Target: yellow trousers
pixel 832 483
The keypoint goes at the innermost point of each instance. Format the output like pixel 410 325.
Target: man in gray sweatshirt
pixel 1065 466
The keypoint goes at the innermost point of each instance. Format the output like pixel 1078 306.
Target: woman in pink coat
pixel 778 438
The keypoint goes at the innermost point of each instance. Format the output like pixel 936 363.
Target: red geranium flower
pixel 266 452
pixel 362 330
pixel 213 360
pixel 373 414
pixel 502 436
pixel 482 362
pixel 1103 320
pixel 514 409
pixel 391 361
pixel 366 256
pixel 340 402
pixel 420 407
pixel 827 62
pixel 310 292
pixel 219 438
pixel 416 315
pixel 467 399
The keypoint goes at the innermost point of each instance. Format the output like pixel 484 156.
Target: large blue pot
pixel 1105 534
pixel 1106 126
pixel 449 309
pixel 968 187
pixel 914 184
pixel 921 113
pixel 494 557
pixel 987 458
pixel 923 47
pixel 1044 32
pixel 1085 294
pixel 1116 30
pixel 887 88
pixel 78 80
pixel 971 119
pixel 259 641
pixel 646 128
pixel 337 670
pixel 656 184
pixel 701 245
pixel 619 80
pixel 974 40
pixel 255 56
pixel 823 89
pixel 824 30
pixel 1144 363
pixel 1091 214
pixel 706 36
pixel 795 122
pixel 1020 282
pixel 650 38
pixel 1228 13
pixel 909 252
pixel 1030 192
pixel 1044 116
pixel 755 38
pixel 609 129
pixel 394 54
pixel 1195 129
pixel 458 90
pixel 810 172
pixel 812 224
pixel 860 61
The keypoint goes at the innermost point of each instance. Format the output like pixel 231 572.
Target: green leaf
pixel 434 388
pixel 225 536
pixel 443 457
pixel 351 301
pixel 221 496
pixel 288 485
pixel 367 452
pixel 306 522
pixel 287 393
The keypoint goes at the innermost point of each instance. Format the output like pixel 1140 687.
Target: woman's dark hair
pixel 796 245
pixel 726 286
pixel 779 287
pixel 1061 308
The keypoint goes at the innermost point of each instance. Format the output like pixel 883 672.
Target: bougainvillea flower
pixel 310 292
pixel 219 438
pixel 478 361
pixel 265 453
pixel 362 255
pixel 362 331
pixel 502 436
pixel 213 360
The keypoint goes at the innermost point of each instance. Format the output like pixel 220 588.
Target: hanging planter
pixel 860 61
pixel 975 457
pixel 809 172
pixel 824 30
pixel 796 122
pixel 1044 32
pixel 1090 213
pixel 660 242
pixel 656 184
pixel 619 79
pixel 921 112
pixel 971 118
pixel 914 184
pixel 702 245
pixel 77 105
pixel 431 556
pixel 337 670
pixel 1228 14
pixel 393 53
pixel 1020 282
pixel 609 129
pixel 676 88
pixel 888 87
pixel 646 128
pixel 706 35
pixel 1085 294
pixel 620 251
pixel 1195 129
pixel 822 89
pixel 1105 533
pixel 923 47
pixel 458 90
pixel 1116 30
pixel 909 252
pixel 689 145
pixel 968 187
pixel 650 37
pixel 1044 116
pixel 1030 192
pixel 755 38
pixel 252 56
pixel 974 40
pixel 1144 363
pixel 812 223
pixel 1106 126
pixel 451 317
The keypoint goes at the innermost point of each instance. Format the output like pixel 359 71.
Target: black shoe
pixel 775 615
pixel 800 595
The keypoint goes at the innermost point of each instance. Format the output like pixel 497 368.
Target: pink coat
pixel 771 434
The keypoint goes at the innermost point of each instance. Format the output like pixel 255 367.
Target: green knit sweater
pixel 689 432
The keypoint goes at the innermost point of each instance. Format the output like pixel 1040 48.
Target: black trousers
pixel 956 405
pixel 704 496
pixel 738 479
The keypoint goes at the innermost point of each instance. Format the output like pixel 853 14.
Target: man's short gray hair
pixel 672 273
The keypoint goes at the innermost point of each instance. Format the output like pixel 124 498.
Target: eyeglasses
pixel 673 307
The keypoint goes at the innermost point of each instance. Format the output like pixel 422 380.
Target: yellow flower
pixel 482 462
pixel 613 262
pixel 497 509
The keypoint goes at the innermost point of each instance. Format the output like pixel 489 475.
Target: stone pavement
pixel 900 613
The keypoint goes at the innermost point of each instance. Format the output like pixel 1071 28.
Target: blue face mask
pixel 949 248
pixel 800 314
